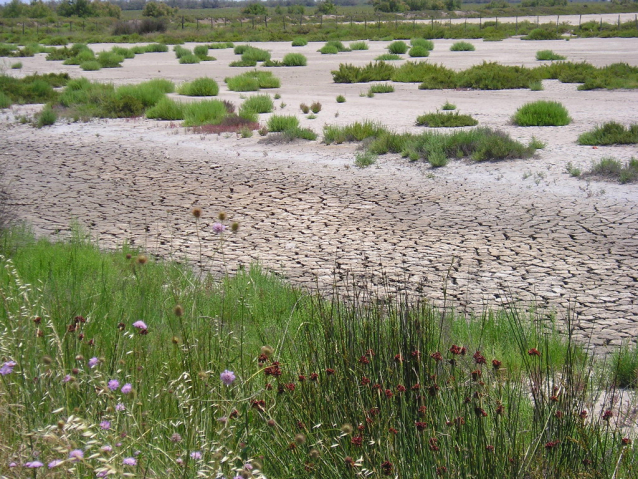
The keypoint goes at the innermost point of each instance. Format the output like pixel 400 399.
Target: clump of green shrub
pixel 448 106
pixel 541 113
pixel 47 117
pixel 445 120
pixel 364 159
pixel 221 46
pixel 166 109
pixel 418 51
pixel 5 101
pixel 200 87
pixel 91 66
pixel 547 55
pixel 611 133
pixel 85 55
pixel 398 47
pixel 462 47
pixel 126 53
pixel 16 66
pixel 357 131
pixel 493 76
pixel 294 60
pixel 201 51
pixel 278 123
pixel 328 50
pixel 252 81
pixel 381 88
pixel 542 34
pixel 422 43
pixel 299 42
pixel 388 57
pixel 32 88
pixel 204 112
pixel 258 104
pixel 109 59
pixel 625 361
pixel 377 71
pixel 180 51
pixel 315 107
pixel 354 46
pixel 613 169
pixel 536 85
pixel 189 59
pixel 341 99
pixel 242 63
pixel 240 49
pixel 252 54
pixel 156 48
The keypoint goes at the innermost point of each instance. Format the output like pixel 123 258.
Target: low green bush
pixel 357 131
pixel 91 66
pixel 341 99
pixel 338 45
pixel 462 47
pixel 388 57
pixel 445 120
pixel 200 87
pixel 614 170
pixel 16 66
pixel 253 54
pixel 156 48
pixel 315 107
pixel 299 42
pixel 201 51
pixel 398 47
pixel 240 49
pixel 625 364
pixel 365 159
pixel 242 63
pixel 204 112
pixel 166 109
pixel 448 106
pixel 381 88
pixel 221 46
pixel 32 88
pixel 542 113
pixel 5 101
pixel 83 56
pixel 414 72
pixel 422 43
pixel 242 83
pixel 47 117
pixel 354 46
pixel 548 55
pixel 123 52
pixel 258 104
pixel 189 59
pixel 294 60
pixel 279 123
pixel 493 76
pixel 610 133
pixel 180 51
pixel 377 71
pixel 148 93
pixel 418 52
pixel 536 85
pixel 328 50
pixel 542 34
pixel 109 59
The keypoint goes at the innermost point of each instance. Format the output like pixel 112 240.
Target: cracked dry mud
pixel 491 233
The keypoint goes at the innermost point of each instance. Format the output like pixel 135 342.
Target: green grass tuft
pixel 47 117
pixel 328 50
pixel 341 99
pixel 422 43
pixel 204 112
pixel 381 88
pixel 200 87
pixel 418 52
pixel 365 159
pixel 462 47
pixel 613 170
pixel 354 46
pixel 252 54
pixel 294 60
pixel 166 109
pixel 611 133
pixel 445 120
pixel 189 59
pixel 547 55
pixel 252 81
pixel 542 113
pixel 299 42
pixel 398 47
pixel 109 60
pixel 388 57
pixel 258 104
pixel 279 123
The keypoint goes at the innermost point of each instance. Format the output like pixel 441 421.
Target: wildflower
pixel 33 464
pixel 480 412
pixel 433 389
pixel 416 387
pixel 113 384
pixel 364 360
pixel 106 448
pixel 7 368
pixel 260 404
pixel 500 409
pixel 346 429
pixel 196 455
pixel 401 388
pixel 218 228
pixel 301 378
pixel 120 407
pixel 176 437
pixel 393 430
pixel 476 374
pixel 222 420
pixel 365 381
pixel 375 411
pixel 273 370
pixel 330 371
pixel 227 377
pixel 558 414
pixel 420 426
pixel 534 352
pixel 102 473
pixel 496 363
pixel 551 444
pixel 140 324
pixel 106 425
pixel 626 441
pixel 127 388
pixel 129 461
pixel 489 448
pixel 13 464
pixel 398 358
pixel 290 387
pixel 93 362
pixel 235 413
pixel 387 467
pixel 433 444
pixel 141 259
pixel 416 355
pixel 608 414
pixel 197 212
pixel 314 376
pixel 301 425
pixel 388 393
pixel 441 470
pixel 76 455
pixel 55 463
pixel 437 356
pixel 179 461
pixel 357 440
pixel 349 462
pixel 583 414
pixel 479 358
pixel 300 439
pixel 454 349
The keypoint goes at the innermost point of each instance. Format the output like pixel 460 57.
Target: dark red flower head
pixel 314 376
pixel 534 352
pixel 496 363
pixel 436 356
pixel 387 467
pixel 365 381
pixel 330 371
pixel 608 414
pixel 479 358
pixel 420 426
pixel 364 360
pixel 357 440
pixel 398 358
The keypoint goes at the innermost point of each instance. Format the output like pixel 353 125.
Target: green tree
pixel 38 9
pixel 14 9
pixel 326 7
pixel 255 9
pixel 78 8
pixel 296 9
pixel 158 10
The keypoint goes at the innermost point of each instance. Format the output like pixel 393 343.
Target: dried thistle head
pixel 300 439
pixel 234 226
pixel 197 212
pixel 141 259
pixel 178 310
pixel 221 216
pixel 267 351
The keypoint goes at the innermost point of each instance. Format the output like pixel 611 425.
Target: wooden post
pixel 432 23
pixel 365 23
pixel 284 20
pixel 320 21
pixel 516 31
pixel 466 24
pixel 496 22
pixel 182 22
pixel 557 19
pixel 300 19
pixel 480 22
pixel 536 21
pixel 618 21
pixel 253 23
pixel 580 19
pixel 266 21
pixel 197 27
pixel 23 28
pixel 379 22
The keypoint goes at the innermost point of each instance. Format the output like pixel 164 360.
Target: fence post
pixel 557 18
pixel 365 23
pixel 466 24
pixel 253 23
pixel 379 22
pixel 182 22
pixel 536 21
pixel 300 19
pixel 580 18
pixel 618 21
pixel 516 30
pixel 284 20
pixel 266 21
pixel 350 21
pixel 480 22
pixel 23 28
pixel 320 21
pixel 496 22
pixel 197 28
pixel 432 23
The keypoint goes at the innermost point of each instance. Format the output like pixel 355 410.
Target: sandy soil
pixel 486 233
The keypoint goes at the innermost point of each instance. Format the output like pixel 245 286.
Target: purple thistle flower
pixel 55 463
pixel 120 407
pixel 127 388
pixel 102 473
pixel 33 464
pixel 227 377
pixel 76 455
pixel 13 464
pixel 7 368
pixel 67 378
pixel 218 228
pixel 106 425
pixel 140 324
pixel 196 455
pixel 129 461
pixel 106 448
pixel 93 362
pixel 113 384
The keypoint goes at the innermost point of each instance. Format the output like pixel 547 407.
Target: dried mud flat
pixel 489 234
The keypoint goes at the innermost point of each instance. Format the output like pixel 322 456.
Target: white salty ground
pixel 493 233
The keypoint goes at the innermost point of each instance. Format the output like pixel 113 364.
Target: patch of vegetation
pixel 462 47
pixel 448 106
pixel 381 88
pixel 83 56
pixel 47 117
pixel 204 112
pixel 542 34
pixel 572 170
pixel 341 99
pixel 295 60
pixel 91 66
pixel 109 59
pixel 201 51
pixel 166 109
pixel 492 76
pixel 221 46
pixel 125 53
pixel 358 46
pixel 32 88
pixel 242 63
pixel 536 85
pixel 315 107
pixel 156 48
pixel 418 52
pixel 377 71
pixel 610 133
pixel 278 123
pixel 445 120
pixel 611 169
pixel 542 113
pixel 16 66
pixel 328 50
pixel 398 47
pixel 5 101
pixel 200 87
pixel 252 81
pixel 252 54
pixel 357 131
pixel 258 104
pixel 548 55
pixel 189 59
pixel 365 159
pixel 422 43
pixel 180 51
pixel 299 42
pixel 388 57
pixel 625 365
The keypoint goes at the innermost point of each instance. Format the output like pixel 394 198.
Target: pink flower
pixel 33 464
pixel 113 384
pixel 67 378
pixel 120 407
pixel 106 448
pixel 196 455
pixel 55 463
pixel 93 362
pixel 129 461
pixel 140 324
pixel 227 377
pixel 106 425
pixel 7 368
pixel 127 388
pixel 76 455
pixel 218 228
